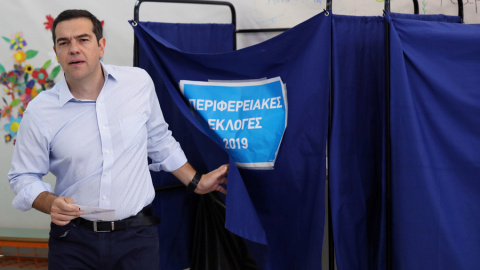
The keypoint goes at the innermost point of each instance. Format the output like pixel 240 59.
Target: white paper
pixel 90 212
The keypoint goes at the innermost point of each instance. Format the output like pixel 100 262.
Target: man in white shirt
pixel 94 131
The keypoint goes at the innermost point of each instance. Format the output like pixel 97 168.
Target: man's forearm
pixel 44 202
pixel 184 173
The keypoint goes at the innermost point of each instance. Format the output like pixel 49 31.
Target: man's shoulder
pixel 127 71
pixel 44 98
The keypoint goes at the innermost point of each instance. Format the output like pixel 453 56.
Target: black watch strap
pixel 194 183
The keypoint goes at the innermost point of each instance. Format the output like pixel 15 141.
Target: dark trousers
pixel 75 247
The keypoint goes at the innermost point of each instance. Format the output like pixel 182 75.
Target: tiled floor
pixel 13 263
pixel 23 258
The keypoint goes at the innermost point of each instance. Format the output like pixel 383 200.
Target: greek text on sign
pixel 247 118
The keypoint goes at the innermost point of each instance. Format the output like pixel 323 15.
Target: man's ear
pixel 54 49
pixel 102 44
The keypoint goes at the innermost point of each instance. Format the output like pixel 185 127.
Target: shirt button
pixel 107 151
pixel 99 104
pixel 103 127
pixel 105 174
pixel 104 197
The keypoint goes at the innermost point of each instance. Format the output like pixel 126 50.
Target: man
pixel 93 131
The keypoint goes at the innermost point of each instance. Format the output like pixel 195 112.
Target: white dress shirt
pixel 96 149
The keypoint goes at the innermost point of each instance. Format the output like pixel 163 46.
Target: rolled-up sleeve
pixel 30 162
pixel 165 152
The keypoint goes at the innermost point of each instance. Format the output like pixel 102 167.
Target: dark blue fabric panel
pixel 283 207
pixel 435 117
pixel 176 207
pixel 196 38
pixel 427 17
pixel 356 144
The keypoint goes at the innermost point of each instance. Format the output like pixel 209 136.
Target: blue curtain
pixel 177 208
pixel 427 17
pixel 435 126
pixel 196 38
pixel 434 135
pixel 282 208
pixel 356 142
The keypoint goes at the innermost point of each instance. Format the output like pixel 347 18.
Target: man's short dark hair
pixel 78 13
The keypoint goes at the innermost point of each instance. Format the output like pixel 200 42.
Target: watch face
pixel 191 186
pixel 196 178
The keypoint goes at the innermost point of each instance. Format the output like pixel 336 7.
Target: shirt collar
pixel 64 92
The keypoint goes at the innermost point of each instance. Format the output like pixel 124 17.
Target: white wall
pixel 28 16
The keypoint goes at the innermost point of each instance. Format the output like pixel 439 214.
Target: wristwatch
pixel 194 183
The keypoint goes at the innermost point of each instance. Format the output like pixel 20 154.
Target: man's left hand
pixel 213 181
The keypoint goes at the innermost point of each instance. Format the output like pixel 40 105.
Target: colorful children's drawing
pixel 22 83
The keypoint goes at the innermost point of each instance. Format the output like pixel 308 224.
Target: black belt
pixel 143 218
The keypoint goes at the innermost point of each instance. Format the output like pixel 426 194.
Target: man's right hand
pixel 61 209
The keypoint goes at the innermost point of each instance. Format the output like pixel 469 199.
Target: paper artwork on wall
pixel 23 82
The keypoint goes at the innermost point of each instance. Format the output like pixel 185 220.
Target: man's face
pixel 77 49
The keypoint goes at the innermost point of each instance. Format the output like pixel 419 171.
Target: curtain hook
pixel 326 12
pixel 134 23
